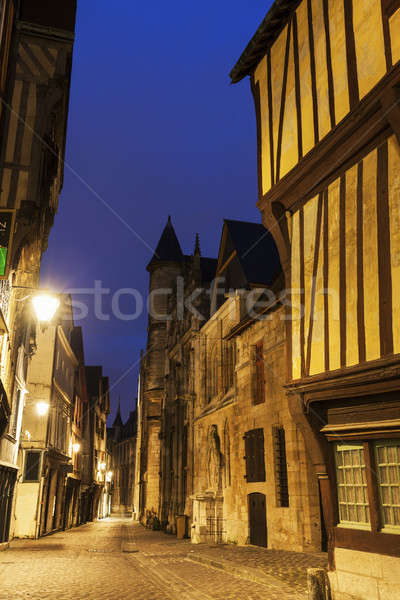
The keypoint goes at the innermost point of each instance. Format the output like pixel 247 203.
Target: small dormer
pixel 247 259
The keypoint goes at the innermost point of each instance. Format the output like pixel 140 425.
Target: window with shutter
pixel 281 476
pixel 255 461
pixel 259 396
pixel 32 466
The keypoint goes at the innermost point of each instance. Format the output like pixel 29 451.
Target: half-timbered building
pixel 325 77
pixel 36 42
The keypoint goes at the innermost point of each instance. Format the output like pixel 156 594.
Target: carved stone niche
pixel 207 526
pixel 214 460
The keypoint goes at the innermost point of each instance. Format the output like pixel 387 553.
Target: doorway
pixel 258 519
pixel 7 483
pixel 324 534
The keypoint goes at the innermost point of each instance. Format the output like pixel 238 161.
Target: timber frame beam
pixel 390 102
pixel 342 145
pixel 375 377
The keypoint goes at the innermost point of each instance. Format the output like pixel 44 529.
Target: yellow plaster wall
pixel 333 275
pixel 324 122
pixel 310 222
pixel 290 151
pixel 394 28
pixel 370 268
pixel 370 233
pixel 394 219
pixel 317 359
pixel 371 67
pixel 260 77
pixel 277 69
pixel 370 48
pixel 351 267
pixel 339 59
pixel 295 298
pixel 306 100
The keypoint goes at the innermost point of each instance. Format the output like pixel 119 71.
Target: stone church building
pixel 219 451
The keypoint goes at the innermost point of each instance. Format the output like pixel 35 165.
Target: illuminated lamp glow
pixel 42 408
pixel 45 307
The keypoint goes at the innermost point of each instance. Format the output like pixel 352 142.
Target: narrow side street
pixel 114 559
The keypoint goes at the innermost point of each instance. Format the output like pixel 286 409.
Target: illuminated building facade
pixel 325 79
pixel 36 43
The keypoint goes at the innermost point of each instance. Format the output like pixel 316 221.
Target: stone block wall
pixel 298 526
pixel 365 576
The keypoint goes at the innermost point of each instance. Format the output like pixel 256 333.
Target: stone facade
pixel 230 414
pixel 121 442
pixel 49 485
pixel 222 387
pixel 96 443
pixel 173 278
pixel 36 45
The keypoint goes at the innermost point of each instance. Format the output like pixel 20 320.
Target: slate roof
pixel 118 419
pixel 93 375
pixel 264 37
pixel 122 431
pixel 129 429
pixel 256 251
pixel 168 247
pixel 76 342
pixel 208 268
pixel 58 15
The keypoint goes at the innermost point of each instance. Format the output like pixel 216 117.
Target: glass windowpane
pixel 352 484
pixel 387 455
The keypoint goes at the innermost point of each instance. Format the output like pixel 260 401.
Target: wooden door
pixel 7 483
pixel 258 519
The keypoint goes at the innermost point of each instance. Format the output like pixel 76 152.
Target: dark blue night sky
pixel 155 128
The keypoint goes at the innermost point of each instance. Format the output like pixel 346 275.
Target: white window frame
pixel 342 523
pixel 386 442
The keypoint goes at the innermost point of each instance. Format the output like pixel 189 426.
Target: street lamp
pixel 45 306
pixel 76 447
pixel 42 408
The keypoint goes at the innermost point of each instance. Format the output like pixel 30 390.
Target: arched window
pixel 228 365
pixel 213 373
pixel 227 455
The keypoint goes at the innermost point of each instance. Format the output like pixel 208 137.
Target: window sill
pixel 350 525
pixel 391 530
pixel 377 542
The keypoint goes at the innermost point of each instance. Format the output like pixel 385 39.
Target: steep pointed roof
pixel 118 419
pixel 197 251
pixel 256 251
pixel 168 248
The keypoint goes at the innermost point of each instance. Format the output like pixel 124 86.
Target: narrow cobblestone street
pixel 115 559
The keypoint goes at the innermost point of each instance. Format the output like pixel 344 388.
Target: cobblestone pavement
pixel 117 560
